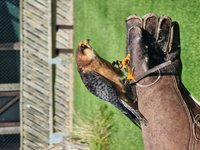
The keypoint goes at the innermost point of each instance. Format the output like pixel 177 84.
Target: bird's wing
pixel 99 86
pixel 104 89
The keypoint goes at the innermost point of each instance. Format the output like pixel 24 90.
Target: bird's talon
pixel 125 61
pixel 113 63
pixel 118 63
pixel 130 74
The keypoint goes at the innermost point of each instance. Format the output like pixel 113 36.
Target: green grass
pixel 103 21
pixel 95 131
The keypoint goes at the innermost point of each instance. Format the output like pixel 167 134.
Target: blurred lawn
pixel 103 21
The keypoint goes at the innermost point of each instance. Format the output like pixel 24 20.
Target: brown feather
pixel 87 62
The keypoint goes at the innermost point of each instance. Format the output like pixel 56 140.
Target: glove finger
pixel 150 23
pixel 163 34
pixel 137 50
pixel 174 42
pixel 132 21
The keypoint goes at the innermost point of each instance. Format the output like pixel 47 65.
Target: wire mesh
pixel 9 64
pixel 9 21
pixel 9 141
pixel 9 41
pixel 9 121
pixel 9 74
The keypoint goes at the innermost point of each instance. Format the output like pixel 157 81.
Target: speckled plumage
pixel 104 89
pixel 104 81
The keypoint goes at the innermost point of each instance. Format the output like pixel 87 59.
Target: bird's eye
pixel 83 47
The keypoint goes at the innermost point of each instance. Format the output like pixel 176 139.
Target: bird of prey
pixel 103 80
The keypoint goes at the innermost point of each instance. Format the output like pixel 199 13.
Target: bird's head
pixel 85 53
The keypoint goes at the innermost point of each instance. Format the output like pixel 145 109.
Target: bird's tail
pixel 134 115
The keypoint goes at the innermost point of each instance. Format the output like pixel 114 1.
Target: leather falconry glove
pixel 172 115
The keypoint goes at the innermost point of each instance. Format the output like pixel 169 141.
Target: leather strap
pixel 152 70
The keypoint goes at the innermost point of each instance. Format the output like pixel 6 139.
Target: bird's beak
pixel 86 42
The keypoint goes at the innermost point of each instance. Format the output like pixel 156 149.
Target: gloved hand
pixel 172 115
pixel 152 41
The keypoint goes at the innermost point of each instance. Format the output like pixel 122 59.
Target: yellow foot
pixel 125 60
pixel 130 74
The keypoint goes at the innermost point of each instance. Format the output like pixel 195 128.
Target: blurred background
pixel 104 23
